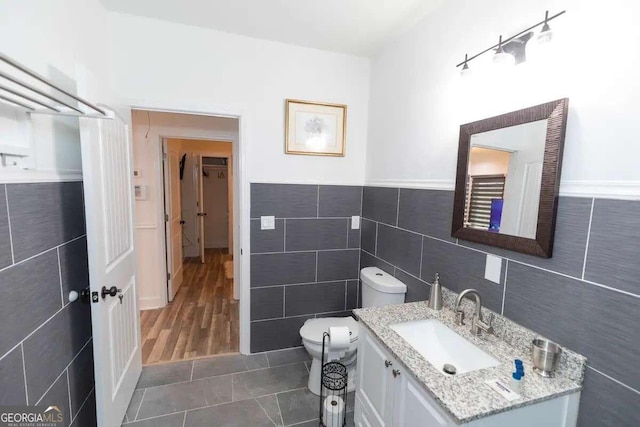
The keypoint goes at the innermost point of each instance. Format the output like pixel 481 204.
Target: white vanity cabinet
pixel 387 395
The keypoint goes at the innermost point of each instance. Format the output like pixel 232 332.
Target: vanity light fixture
pixel 503 58
pixel 465 71
pixel 546 34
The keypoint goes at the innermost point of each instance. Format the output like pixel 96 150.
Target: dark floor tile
pixel 180 397
pixel 173 420
pixel 223 365
pixel 368 236
pixel 58 395
pixel 81 377
pixel 314 298
pixel 283 269
pixel 44 215
pixel 270 406
pixel 338 265
pixel 400 248
pixel 5 239
pixel 237 414
pixel 606 403
pixel 368 260
pixel 340 201
pixel 276 334
pixel 427 212
pixel 253 384
pixel 57 342
pixel 572 225
pixel 35 280
pixel 585 318
pixel 134 405
pixel 380 204
pixel 417 290
pixel 12 391
pixel 298 406
pixel 614 245
pixel 284 200
pixel 267 303
pixel 460 268
pixel 287 356
pixel 267 240
pixel 168 373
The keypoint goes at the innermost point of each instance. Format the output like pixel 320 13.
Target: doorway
pixel 200 316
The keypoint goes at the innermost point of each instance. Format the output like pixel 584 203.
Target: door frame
pixel 241 202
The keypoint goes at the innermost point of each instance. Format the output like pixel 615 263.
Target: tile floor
pixel 267 389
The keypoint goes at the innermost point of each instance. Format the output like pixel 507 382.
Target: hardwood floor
pixel 201 321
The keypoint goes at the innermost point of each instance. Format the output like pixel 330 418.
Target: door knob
pixel 182 222
pixel 112 291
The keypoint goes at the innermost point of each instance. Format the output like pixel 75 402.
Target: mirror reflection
pixel 504 177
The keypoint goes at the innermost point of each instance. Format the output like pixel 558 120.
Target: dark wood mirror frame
pixel 556 114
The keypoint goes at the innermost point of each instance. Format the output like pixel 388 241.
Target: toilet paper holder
pixel 333 389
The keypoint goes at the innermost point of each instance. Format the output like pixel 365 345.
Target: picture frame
pixel 314 128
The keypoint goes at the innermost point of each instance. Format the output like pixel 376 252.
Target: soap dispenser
pixel 435 298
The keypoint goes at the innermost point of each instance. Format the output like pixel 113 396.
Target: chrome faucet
pixel 477 323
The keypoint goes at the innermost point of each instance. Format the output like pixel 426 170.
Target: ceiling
pixel 358 27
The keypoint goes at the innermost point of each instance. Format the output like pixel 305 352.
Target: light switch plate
pixel 355 222
pixel 493 268
pixel 267 222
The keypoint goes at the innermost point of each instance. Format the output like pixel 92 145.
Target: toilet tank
pixel 380 288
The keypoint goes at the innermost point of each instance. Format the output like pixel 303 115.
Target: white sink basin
pixel 441 345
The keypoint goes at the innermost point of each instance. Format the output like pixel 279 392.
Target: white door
pixel 375 381
pixel 108 191
pixel 173 218
pixel 201 213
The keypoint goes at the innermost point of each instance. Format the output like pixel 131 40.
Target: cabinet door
pixel 375 381
pixel 413 407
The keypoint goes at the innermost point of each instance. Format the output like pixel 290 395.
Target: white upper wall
pixel 419 100
pixel 174 66
pixel 61 40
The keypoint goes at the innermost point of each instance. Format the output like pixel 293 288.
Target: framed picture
pixel 315 129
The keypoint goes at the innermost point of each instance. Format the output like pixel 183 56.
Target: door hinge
pixel 166 218
pixel 198 240
pixel 168 276
pixel 164 156
pixel 240 251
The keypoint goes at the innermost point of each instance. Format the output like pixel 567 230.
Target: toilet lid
pixel 313 329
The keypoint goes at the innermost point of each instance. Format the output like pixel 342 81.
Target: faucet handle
pixel 459 317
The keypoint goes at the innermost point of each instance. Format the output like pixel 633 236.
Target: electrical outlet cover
pixel 493 268
pixel 267 222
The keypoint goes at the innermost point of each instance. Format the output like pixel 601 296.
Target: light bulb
pixel 545 35
pixel 503 59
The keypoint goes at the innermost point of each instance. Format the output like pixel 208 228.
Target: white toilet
pixel 378 288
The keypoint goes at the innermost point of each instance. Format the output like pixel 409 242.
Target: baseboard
pixel 150 303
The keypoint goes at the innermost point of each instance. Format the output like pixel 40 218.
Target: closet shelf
pixel 27 90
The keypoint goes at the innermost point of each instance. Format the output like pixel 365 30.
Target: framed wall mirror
pixel 508 179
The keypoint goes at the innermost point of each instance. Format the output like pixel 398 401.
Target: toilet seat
pixel 313 329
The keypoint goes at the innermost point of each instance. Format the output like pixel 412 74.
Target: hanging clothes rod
pixel 26 98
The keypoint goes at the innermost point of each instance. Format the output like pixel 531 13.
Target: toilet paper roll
pixel 333 411
pixel 339 341
pixel 339 338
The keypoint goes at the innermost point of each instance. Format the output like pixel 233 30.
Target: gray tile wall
pixel 46 354
pixel 587 297
pixel 308 266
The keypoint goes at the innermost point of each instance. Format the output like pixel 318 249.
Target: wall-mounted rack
pixel 35 94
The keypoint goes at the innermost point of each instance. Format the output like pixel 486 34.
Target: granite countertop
pixel 466 397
